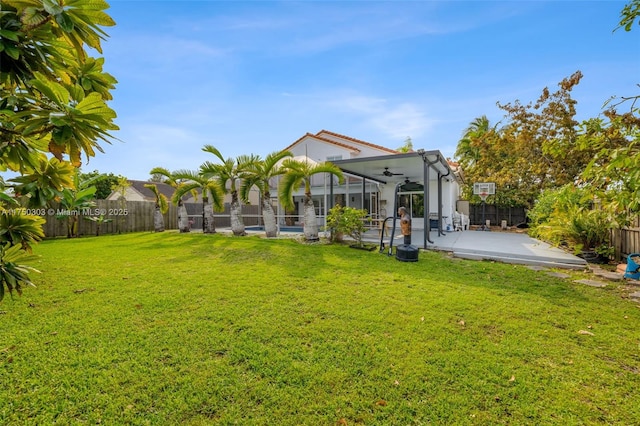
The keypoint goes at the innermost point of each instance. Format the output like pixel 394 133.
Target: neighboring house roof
pixel 163 188
pixel 345 142
pixel 139 187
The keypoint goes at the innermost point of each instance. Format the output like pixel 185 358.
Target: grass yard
pixel 200 329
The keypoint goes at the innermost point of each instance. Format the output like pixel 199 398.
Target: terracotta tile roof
pixel 349 147
pixel 391 151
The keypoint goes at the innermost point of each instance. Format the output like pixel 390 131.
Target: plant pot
pixel 592 257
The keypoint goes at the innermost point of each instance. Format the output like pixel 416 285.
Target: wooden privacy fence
pixel 496 214
pixel 626 240
pixel 123 216
pixel 134 216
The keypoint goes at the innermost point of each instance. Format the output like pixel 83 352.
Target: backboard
pixel 488 188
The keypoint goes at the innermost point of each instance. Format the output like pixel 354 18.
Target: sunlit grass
pixel 210 329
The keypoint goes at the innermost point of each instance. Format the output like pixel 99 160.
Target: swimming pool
pixel 282 228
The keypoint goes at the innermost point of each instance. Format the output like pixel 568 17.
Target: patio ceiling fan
pixel 387 173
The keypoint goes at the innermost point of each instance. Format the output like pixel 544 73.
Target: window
pixel 334 157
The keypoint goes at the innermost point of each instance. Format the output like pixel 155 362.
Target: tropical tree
pixel 175 182
pixel 407 146
pixel 298 174
pixel 536 149
pixel 52 101
pixel 74 200
pixel 104 184
pixel 99 221
pixel 120 186
pixel 162 205
pixel 260 174
pixel 613 174
pixel 229 174
pixel 210 190
pixel 468 150
pixel 46 181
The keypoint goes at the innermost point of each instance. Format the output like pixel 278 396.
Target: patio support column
pixel 364 185
pixel 347 195
pixel 331 197
pixel 427 222
pixel 440 177
pixel 440 205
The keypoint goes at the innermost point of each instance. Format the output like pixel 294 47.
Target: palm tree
pixel 165 176
pixel 299 173
pixel 468 151
pixel 260 174
pixel 210 190
pixel 161 207
pixel 227 175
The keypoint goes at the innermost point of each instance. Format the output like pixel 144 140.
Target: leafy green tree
pixel 209 189
pixel 53 94
pixel 613 174
pixel 260 174
pixel 229 174
pixel 629 14
pixel 534 150
pixel 45 182
pixel 52 101
pixel 104 184
pixel 299 174
pixel 74 200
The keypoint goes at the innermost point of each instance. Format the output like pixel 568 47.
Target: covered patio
pixel 425 173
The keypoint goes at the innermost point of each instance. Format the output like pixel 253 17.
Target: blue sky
pixel 252 77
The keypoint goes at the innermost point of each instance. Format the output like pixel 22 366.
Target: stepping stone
pixel 558 274
pixel 592 283
pixel 537 268
pixel 635 295
pixel 612 276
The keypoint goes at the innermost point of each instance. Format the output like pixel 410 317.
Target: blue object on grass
pixel 633 269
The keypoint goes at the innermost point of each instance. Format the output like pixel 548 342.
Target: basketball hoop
pixel 483 190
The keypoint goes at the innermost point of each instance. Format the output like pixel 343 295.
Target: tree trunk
pixel 208 221
pixel 183 218
pixel 310 222
pixel 158 220
pixel 72 225
pixel 237 225
pixel 269 218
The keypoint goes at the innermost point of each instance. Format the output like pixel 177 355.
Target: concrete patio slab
pixel 508 247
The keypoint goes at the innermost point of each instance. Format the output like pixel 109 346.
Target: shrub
pixel 346 221
pixel 566 216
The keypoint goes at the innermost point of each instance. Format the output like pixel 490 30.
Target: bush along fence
pixel 117 217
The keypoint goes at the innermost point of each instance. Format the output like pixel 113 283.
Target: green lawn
pixel 209 329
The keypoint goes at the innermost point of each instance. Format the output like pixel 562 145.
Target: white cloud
pixel 395 120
